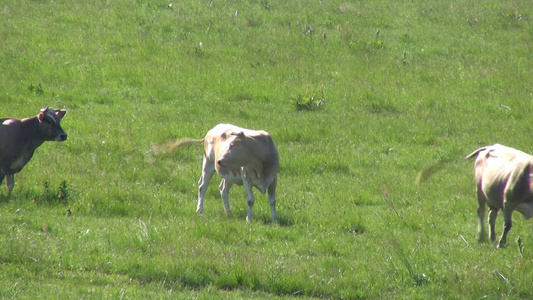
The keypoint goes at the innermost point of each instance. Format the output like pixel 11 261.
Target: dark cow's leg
pixel 10 183
pixel 224 192
pixel 208 169
pixel 272 199
pixel 2 175
pixel 508 220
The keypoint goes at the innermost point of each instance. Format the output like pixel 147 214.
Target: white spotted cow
pixel 503 181
pixel 240 156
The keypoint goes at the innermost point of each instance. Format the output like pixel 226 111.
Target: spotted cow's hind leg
pixel 224 193
pixel 508 223
pixel 481 234
pixel 250 199
pixel 493 214
pixel 208 169
pixel 272 199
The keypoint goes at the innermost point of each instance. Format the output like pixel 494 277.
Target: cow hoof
pixel 228 214
pixel 481 237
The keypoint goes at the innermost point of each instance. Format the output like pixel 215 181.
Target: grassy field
pixel 405 86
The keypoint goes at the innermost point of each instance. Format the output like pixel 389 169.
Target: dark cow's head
pixel 49 124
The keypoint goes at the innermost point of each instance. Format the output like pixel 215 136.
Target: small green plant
pixel 63 194
pixel 38 90
pixel 51 196
pixel 309 102
pixel 379 44
pixel 47 195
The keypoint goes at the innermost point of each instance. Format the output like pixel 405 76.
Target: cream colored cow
pixel 240 156
pixel 504 181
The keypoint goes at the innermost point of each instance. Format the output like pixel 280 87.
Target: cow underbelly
pixel 17 165
pixel 236 177
pixel 232 175
pixel 233 178
pixel 496 202
pixel 526 208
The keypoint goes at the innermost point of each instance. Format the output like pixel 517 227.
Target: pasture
pixel 374 198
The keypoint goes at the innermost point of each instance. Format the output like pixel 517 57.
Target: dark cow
pixel 243 157
pixel 503 181
pixel 20 138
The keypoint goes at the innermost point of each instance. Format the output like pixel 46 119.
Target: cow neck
pixel 30 128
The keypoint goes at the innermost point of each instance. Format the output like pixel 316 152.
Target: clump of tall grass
pixel 309 101
pixel 51 195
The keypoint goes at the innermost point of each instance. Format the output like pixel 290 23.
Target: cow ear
pixel 42 114
pixel 61 113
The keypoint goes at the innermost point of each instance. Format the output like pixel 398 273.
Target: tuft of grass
pixel 50 195
pixel 38 90
pixel 309 101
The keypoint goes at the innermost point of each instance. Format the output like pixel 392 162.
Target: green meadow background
pixel 374 197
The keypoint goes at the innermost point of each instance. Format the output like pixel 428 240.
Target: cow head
pixel 238 151
pixel 49 127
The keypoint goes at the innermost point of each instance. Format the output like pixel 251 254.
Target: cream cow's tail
pixel 475 153
pixel 171 146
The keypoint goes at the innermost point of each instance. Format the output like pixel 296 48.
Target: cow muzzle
pixel 220 162
pixel 61 137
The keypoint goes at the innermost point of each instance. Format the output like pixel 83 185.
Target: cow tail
pixel 171 146
pixel 475 153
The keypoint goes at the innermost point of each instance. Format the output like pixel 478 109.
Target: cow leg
pixel 493 213
pixel 224 192
pixel 508 220
pixel 2 175
pixel 249 196
pixel 10 183
pixel 272 199
pixel 208 169
pixel 481 235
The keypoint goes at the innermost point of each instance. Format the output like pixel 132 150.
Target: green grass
pixel 408 86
